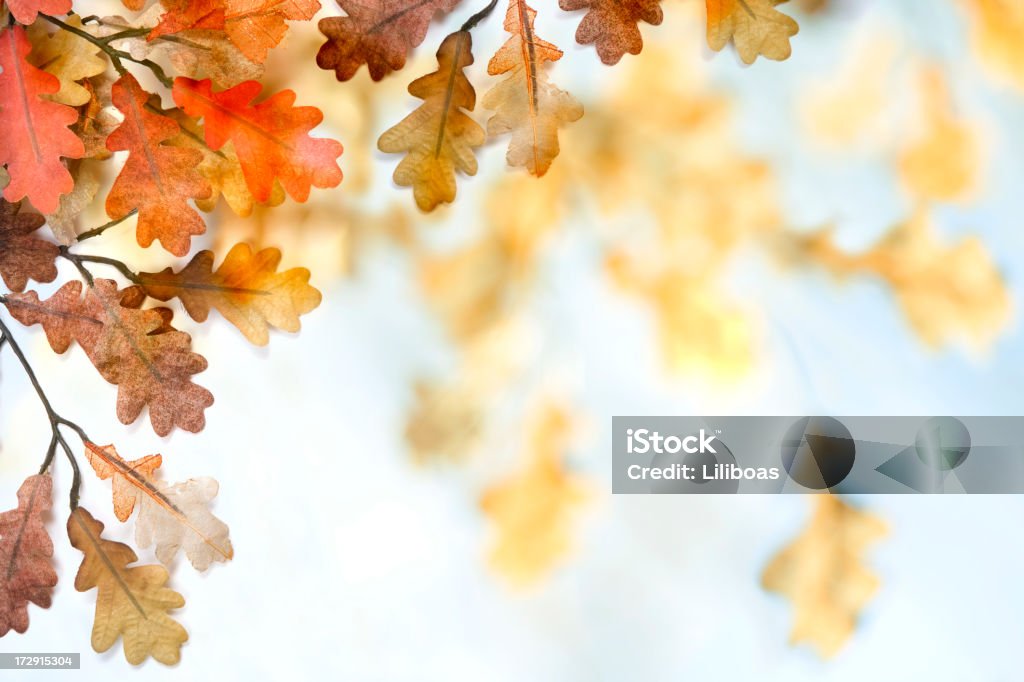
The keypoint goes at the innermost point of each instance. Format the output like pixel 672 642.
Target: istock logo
pixel 642 441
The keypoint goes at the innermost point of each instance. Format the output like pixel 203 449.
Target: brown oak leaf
pixel 151 364
pixel 23 256
pixel 612 25
pixel 26 555
pixel 378 33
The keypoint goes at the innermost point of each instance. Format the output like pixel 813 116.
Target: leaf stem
pixel 56 421
pixel 116 55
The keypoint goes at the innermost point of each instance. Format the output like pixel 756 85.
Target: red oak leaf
pixel 25 11
pixel 157 179
pixel 378 33
pixel 270 138
pixel 33 154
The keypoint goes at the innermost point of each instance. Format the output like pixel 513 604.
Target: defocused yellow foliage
pixel 822 573
pixel 945 291
pixel 943 161
pixel 532 511
pixel 996 29
pixel 845 108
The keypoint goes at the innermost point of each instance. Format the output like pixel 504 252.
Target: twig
pixel 97 231
pixel 79 259
pixel 56 421
pixel 478 17
pixel 115 54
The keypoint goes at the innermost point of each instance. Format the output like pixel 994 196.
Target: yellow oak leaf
pixel 996 28
pixel 172 517
pixel 754 26
pixel 68 57
pixel 943 162
pixel 822 573
pixel 532 511
pixel 246 289
pixel 438 138
pixel 945 291
pixel 697 330
pixel 64 221
pixel 131 601
pixel 527 104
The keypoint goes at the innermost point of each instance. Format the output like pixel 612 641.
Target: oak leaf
pixel 246 289
pixel 996 27
pixel 68 57
pixel 157 180
pixel 528 105
pixel 196 53
pixel 24 256
pixel 221 168
pixel 173 517
pixel 613 25
pixel 132 602
pixel 947 291
pixel 271 138
pixel 532 511
pixel 378 33
pixel 439 136
pixel 26 11
pixel 254 26
pixel 754 26
pixel 33 157
pixel 822 574
pixel 151 364
pixel 942 162
pixel 26 555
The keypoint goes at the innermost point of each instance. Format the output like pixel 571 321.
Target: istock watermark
pixel 773 455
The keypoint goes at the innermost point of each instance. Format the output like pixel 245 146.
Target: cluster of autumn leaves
pixel 439 138
pixel 67 115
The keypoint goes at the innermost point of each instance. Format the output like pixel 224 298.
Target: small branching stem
pixel 117 57
pixel 56 421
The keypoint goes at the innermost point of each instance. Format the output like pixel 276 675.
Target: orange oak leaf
pixel 33 156
pixel 26 555
pixel 438 137
pixel 23 256
pixel 254 26
pixel 528 105
pixel 25 11
pixel 378 33
pixel 247 289
pixel 271 138
pixel 157 180
pixel 173 517
pixel 754 26
pixel 150 363
pixel 131 601
pixel 612 25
